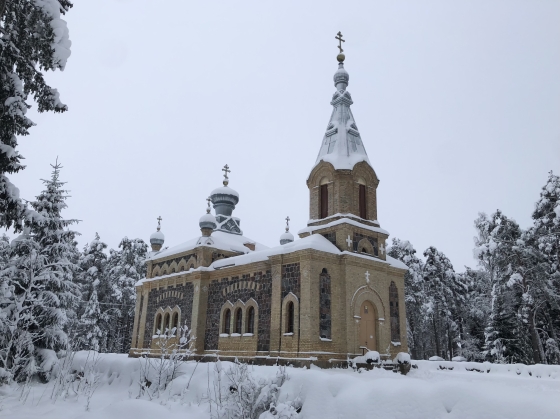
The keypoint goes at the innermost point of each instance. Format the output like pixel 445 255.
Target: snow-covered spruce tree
pixel 417 331
pixel 445 292
pixel 126 266
pixel 475 312
pixel 546 237
pixel 506 335
pixel 97 295
pixel 33 39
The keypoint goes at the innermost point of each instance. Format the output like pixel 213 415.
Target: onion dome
pixel 287 237
pixel 341 77
pixel 224 199
pixel 207 222
pixel 157 239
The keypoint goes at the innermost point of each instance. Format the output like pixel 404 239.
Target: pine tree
pixel 33 39
pixel 445 292
pixel 38 287
pixel 546 240
pixel 126 267
pixel 93 313
pixel 92 334
pixel 414 296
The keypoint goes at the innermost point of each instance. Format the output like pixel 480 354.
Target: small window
pixel 173 270
pixel 238 320
pixel 366 309
pixel 290 318
pixel 191 267
pixel 227 321
pixel 251 320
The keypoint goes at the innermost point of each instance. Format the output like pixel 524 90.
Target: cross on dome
pixel 340 41
pixel 226 171
pixel 288 223
pixel 208 208
pixel 159 223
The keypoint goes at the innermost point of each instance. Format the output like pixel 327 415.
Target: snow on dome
pixel 157 237
pixel 225 190
pixel 286 237
pixel 207 218
pixel 341 76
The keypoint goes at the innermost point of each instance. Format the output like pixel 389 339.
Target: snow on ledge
pixel 343 221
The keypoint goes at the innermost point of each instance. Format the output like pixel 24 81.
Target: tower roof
pixel 342 144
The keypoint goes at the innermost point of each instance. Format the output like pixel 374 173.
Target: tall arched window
pixel 227 321
pixel 251 320
pixel 238 320
pixel 290 318
pixel 324 201
pixel 394 312
pixel 157 325
pixel 175 322
pixel 363 210
pixel 165 323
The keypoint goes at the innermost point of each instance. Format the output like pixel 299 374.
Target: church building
pixel 331 294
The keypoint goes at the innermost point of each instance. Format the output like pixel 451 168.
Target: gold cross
pixel 340 41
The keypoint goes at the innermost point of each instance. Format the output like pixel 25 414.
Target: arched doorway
pixel 367 334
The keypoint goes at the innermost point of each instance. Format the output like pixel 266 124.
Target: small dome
pixel 207 221
pixel 286 237
pixel 341 76
pixel 157 238
pixel 225 190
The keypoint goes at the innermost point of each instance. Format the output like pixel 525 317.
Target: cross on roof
pixel 208 209
pixel 159 222
pixel 288 223
pixel 340 41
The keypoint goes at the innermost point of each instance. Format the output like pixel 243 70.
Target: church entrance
pixel 367 326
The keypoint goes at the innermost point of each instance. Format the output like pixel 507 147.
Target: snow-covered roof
pixel 314 241
pixel 355 223
pixel 218 240
pixel 342 145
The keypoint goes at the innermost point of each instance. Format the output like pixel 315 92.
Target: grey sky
pixel 458 104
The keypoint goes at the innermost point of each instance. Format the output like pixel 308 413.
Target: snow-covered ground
pixel 507 391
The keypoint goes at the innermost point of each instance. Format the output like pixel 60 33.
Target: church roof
pixel 219 240
pixel 342 144
pixel 262 253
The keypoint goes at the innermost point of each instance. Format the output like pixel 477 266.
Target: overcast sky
pixel 458 105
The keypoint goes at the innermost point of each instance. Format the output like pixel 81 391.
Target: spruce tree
pixel 414 296
pixel 126 267
pixel 39 287
pixel 33 39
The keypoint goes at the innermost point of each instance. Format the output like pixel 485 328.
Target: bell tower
pixel 342 184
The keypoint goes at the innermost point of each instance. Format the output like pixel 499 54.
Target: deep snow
pixel 507 391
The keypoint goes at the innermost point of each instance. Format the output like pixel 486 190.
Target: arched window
pixel 191 267
pixel 165 323
pixel 227 321
pixel 175 322
pixel 157 324
pixel 362 200
pixel 182 268
pixel 173 270
pixel 394 312
pixel 325 304
pixel 290 318
pixel 238 320
pixel 251 320
pixel 324 201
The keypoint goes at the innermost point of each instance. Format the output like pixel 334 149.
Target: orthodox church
pixel 329 295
